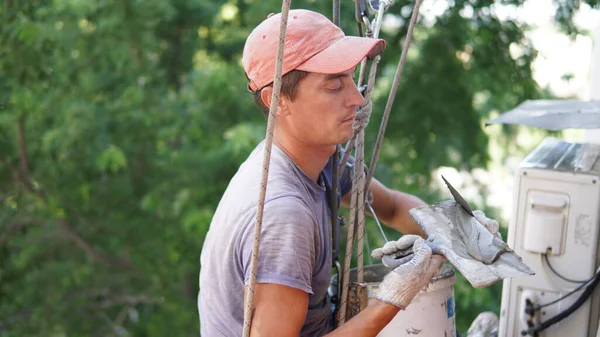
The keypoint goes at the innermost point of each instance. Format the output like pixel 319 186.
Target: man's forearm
pixel 401 220
pixel 392 208
pixel 369 322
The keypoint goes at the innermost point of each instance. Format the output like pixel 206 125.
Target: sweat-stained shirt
pixel 295 246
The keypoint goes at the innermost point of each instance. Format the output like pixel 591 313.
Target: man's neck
pixel 311 159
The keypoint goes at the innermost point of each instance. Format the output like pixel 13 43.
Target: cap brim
pixel 344 54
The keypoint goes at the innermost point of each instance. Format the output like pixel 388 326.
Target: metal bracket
pixel 357 299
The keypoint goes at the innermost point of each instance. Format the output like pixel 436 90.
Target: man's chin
pixel 346 138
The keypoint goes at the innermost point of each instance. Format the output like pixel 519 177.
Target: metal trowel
pixel 458 198
pixel 393 261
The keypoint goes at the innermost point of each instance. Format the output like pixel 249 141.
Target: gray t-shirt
pixel 295 247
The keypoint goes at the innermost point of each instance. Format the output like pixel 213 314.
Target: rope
pixel 333 196
pixel 358 192
pixel 392 96
pixel 336 12
pixel 357 204
pixel 363 120
pixel 378 223
pixel 249 308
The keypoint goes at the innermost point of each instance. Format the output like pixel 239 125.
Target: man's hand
pixel 402 247
pixel 402 284
pixel 490 224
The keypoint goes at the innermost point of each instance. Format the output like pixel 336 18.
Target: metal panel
pixel 553 114
pixel 558 155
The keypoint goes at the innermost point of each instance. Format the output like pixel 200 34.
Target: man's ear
pixel 267 93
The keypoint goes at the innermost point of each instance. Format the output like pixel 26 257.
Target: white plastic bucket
pixel 430 314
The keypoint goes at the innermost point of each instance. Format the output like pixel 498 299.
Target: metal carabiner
pixel 362 89
pixel 374 4
pixel 368 27
pixel 361 10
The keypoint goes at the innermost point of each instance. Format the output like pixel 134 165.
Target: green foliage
pixel 122 121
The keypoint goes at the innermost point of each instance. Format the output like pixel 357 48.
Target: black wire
pixel 559 275
pixel 564 314
pixel 569 293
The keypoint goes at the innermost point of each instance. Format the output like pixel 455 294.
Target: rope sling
pixel 360 181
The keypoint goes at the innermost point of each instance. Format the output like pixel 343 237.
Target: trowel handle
pixel 393 262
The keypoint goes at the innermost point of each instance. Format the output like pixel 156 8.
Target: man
pixel 315 113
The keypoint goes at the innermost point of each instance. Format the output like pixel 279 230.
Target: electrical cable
pixel 558 274
pixel 569 293
pixel 564 314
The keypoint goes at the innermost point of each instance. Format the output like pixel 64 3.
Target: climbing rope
pixel 393 90
pixel 336 12
pixel 358 192
pixel 357 202
pixel 333 195
pixel 249 307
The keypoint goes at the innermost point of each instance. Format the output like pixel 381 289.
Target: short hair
pixel 289 88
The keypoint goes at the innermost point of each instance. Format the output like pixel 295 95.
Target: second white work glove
pixel 402 284
pixel 490 224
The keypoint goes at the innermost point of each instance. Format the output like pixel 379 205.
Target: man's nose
pixel 356 96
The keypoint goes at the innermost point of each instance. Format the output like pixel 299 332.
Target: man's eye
pixel 334 86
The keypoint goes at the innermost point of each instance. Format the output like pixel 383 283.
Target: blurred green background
pixel 122 121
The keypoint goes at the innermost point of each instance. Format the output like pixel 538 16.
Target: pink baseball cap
pixel 312 43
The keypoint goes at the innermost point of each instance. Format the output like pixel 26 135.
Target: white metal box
pixel 556 209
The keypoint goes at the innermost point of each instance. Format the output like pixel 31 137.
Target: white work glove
pixel 402 284
pixel 485 325
pixel 490 224
pixel 394 248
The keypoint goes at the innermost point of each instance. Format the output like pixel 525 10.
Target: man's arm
pixel 392 208
pixel 278 310
pixel 368 322
pixel 281 310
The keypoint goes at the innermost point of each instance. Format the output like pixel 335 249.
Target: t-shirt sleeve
pixel 287 246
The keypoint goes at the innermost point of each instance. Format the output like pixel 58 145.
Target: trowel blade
pixel 458 198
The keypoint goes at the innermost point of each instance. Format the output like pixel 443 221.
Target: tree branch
pixel 23 150
pixel 14 170
pixel 10 320
pixel 15 225
pixel 24 175
pixel 87 247
pixel 128 301
pixel 121 315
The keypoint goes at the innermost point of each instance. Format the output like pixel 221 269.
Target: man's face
pixel 324 109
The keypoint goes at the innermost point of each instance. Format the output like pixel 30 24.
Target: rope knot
pixel 363 113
